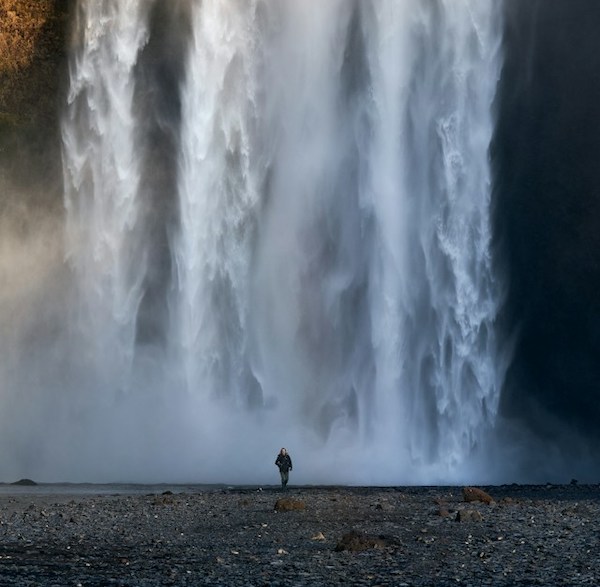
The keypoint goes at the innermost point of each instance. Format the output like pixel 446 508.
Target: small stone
pixel 468 516
pixel 384 506
pixel 318 536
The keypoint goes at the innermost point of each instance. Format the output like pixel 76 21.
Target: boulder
pixel 442 509
pixel 287 504
pixel 443 512
pixel 25 482
pixel 475 494
pixel 468 516
pixel 163 500
pixel 355 541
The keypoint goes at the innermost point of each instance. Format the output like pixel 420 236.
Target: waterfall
pixel 101 175
pixel 331 285
pixel 439 278
pixel 219 193
pixel 434 298
pixel 334 252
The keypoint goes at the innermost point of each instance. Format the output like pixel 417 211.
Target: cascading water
pixel 331 280
pixel 435 301
pixel 219 193
pixel 102 175
pixel 334 257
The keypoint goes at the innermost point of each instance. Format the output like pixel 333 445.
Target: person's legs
pixel 284 478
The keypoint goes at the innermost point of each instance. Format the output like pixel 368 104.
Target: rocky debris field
pixel 524 535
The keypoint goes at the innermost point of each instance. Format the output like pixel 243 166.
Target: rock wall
pixel 33 43
pixel 546 154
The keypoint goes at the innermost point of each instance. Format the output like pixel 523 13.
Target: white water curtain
pixel 332 286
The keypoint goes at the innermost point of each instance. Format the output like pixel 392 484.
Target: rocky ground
pixel 542 535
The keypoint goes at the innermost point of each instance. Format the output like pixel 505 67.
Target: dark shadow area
pixel 546 156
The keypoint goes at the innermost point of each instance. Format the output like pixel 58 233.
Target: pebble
pixel 232 537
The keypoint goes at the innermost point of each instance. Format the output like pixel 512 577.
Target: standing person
pixel 284 462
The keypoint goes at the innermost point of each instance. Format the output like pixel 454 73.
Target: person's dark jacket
pixel 284 462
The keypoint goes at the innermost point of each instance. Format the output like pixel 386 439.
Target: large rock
pixel 475 494
pixel 355 541
pixel 25 482
pixel 287 504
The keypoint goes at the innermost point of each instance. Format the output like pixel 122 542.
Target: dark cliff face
pixel 547 191
pixel 33 47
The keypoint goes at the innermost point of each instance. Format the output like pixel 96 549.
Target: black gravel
pixel 531 535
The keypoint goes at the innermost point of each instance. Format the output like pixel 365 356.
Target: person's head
pixel 283 451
